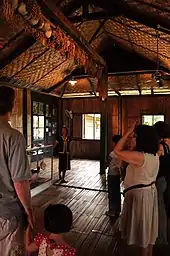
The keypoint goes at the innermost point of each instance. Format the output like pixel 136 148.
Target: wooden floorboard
pixel 92 232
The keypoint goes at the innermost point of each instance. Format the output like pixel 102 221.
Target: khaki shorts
pixel 12 237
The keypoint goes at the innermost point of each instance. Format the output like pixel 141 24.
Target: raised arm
pixel 131 157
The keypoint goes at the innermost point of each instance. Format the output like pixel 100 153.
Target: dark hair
pixel 64 127
pixel 7 96
pixel 147 140
pixel 162 129
pixel 58 218
pixel 116 138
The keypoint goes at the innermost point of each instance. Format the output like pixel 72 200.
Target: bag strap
pixel 166 148
pixel 138 186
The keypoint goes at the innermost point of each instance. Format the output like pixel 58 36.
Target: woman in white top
pixel 139 219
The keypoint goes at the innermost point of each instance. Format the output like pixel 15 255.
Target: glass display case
pixel 41 163
pixel 44 123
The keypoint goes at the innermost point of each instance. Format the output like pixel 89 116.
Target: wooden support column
pixel 103 93
pixel 60 116
pixel 103 137
pixel 24 119
pixel 120 115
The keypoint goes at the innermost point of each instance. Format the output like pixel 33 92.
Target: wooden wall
pixel 89 148
pixel 133 107
pixel 130 109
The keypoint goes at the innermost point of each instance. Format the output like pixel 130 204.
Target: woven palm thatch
pixel 40 67
pixel 23 60
pixel 57 75
pixel 88 28
pixel 81 86
pixel 140 39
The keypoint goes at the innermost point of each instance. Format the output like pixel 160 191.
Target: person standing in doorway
pixel 63 146
pixel 114 171
pixel 15 196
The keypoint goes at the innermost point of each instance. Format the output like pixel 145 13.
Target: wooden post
pixel 120 114
pixel 102 88
pixel 103 138
pixel 24 120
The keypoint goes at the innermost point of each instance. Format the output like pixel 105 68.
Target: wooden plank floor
pixel 85 174
pixel 92 229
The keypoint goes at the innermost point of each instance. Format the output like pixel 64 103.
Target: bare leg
pixel 60 175
pixel 144 251
pixel 150 250
pixel 63 178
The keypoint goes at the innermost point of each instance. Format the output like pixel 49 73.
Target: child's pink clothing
pixel 43 242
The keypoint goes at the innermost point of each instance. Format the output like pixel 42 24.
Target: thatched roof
pixel 116 30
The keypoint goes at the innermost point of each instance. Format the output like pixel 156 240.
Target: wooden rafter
pixel 129 11
pixel 119 8
pixel 92 86
pixel 57 18
pixel 97 31
pixel 64 89
pixel 133 50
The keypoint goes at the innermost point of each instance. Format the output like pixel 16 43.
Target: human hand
pixel 31 219
pixel 132 128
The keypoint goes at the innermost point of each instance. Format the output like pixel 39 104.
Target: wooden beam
pixel 118 93
pixel 103 137
pixel 92 86
pixel 137 83
pixel 97 31
pixel 152 91
pixel 51 11
pixel 94 16
pixel 120 115
pixel 85 10
pixel 64 88
pixel 25 113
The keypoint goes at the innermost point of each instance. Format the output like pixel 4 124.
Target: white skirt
pixel 139 218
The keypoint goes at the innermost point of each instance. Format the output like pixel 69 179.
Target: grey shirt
pixel 14 167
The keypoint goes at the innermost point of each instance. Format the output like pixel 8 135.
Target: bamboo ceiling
pixel 40 68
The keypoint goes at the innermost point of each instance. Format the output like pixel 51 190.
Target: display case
pixel 44 126
pixel 41 163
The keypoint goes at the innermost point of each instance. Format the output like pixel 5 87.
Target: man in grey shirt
pixel 15 197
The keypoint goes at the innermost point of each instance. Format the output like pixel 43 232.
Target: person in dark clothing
pixel 162 183
pixel 114 195
pixel 63 147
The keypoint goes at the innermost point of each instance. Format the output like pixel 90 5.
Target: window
pixel 38 127
pixel 152 119
pixel 91 126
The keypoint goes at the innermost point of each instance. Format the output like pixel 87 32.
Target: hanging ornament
pixel 22 9
pixel 47 26
pixel 48 33
pixel 33 22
